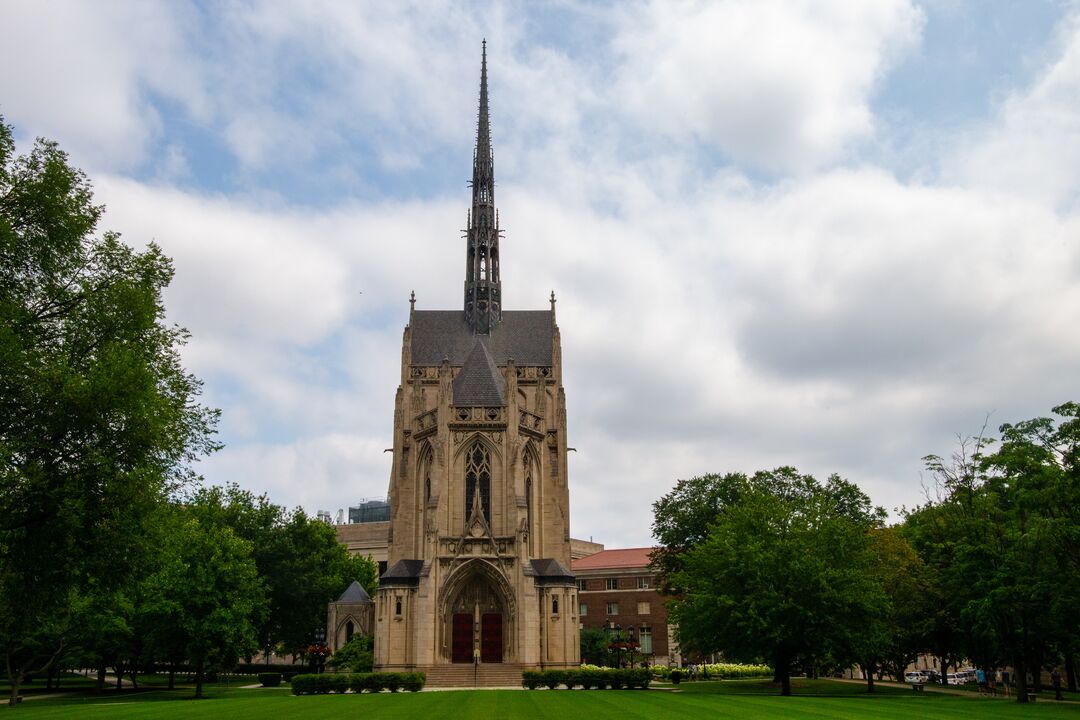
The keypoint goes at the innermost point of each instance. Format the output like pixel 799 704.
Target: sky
pixel 837 235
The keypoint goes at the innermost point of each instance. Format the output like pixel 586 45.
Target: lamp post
pixel 630 644
pixel 320 645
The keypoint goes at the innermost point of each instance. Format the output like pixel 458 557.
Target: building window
pixel 644 583
pixel 582 584
pixel 528 505
pixel 612 583
pixel 554 606
pixel 397 606
pixel 478 479
pixel 643 608
pixel 583 609
pixel 349 630
pixel 645 640
pixel 613 608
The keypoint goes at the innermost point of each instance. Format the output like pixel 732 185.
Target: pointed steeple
pixel 483 290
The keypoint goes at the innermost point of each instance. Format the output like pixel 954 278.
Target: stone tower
pixel 479 541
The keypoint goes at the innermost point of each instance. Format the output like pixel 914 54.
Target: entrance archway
pixel 477 615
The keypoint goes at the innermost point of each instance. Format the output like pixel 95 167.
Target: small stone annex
pixel 479 552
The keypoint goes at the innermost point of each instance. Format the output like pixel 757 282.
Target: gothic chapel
pixel 479 539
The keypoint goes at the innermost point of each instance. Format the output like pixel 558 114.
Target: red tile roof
pixel 612 559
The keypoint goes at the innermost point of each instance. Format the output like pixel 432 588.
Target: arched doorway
pixel 477 615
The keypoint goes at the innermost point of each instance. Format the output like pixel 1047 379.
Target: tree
pixel 98 419
pixel 783 574
pixel 594 646
pixel 208 590
pixel 681 519
pixel 354 656
pixel 901 631
pixel 299 558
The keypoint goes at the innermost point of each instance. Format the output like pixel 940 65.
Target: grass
pixel 813 700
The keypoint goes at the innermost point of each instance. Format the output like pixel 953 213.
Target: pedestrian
pixel 1005 682
pixel 991 681
pixel 980 675
pixel 1055 680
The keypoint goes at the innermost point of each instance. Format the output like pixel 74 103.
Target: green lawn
pixel 735 699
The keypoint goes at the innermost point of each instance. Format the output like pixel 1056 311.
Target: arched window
pixel 349 630
pixel 529 503
pixel 478 476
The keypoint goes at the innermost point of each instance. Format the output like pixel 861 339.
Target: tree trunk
pixel 16 682
pixel 785 683
pixel 100 685
pixel 1070 672
pixel 1020 671
pixel 198 680
pixel 944 679
pixel 868 671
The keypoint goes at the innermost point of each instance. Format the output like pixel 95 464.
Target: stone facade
pixel 479 545
pixel 351 614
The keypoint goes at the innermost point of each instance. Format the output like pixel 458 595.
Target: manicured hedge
pixel 357 683
pixel 716 671
pixel 587 678
pixel 270 679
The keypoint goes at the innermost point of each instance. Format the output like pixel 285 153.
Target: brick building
pixel 617 587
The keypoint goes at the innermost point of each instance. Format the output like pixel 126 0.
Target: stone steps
pixel 464 675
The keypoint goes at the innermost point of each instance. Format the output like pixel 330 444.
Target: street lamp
pixel 320 646
pixel 630 644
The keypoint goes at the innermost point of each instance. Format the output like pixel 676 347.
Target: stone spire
pixel 483 291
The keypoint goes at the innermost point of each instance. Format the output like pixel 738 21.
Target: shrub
pixel 270 679
pixel 530 679
pixel 676 677
pixel 414 681
pixel 553 678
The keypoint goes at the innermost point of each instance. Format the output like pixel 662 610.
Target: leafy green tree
pixel 98 419
pixel 681 519
pixel 208 589
pixel 594 646
pixel 299 558
pixel 356 656
pixel 907 622
pixel 782 575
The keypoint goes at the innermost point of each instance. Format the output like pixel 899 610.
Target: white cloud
pixel 82 74
pixel 1033 147
pixel 776 85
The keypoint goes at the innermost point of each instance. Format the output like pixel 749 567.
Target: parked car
pixel 916 676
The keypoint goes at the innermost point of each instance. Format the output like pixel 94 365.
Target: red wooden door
pixel 462 643
pixel 491 641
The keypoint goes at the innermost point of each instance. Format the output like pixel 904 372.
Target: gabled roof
pixel 403 572
pixel 550 570
pixel 355 593
pixel 479 384
pixel 525 335
pixel 615 559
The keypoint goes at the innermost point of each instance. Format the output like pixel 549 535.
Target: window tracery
pixel 478 476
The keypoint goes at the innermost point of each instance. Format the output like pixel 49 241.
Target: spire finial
pixel 412 301
pixel 483 290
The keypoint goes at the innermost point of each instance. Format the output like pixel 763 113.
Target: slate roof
pixel 479 384
pixel 550 570
pixel 524 335
pixel 612 559
pixel 403 572
pixel 355 593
